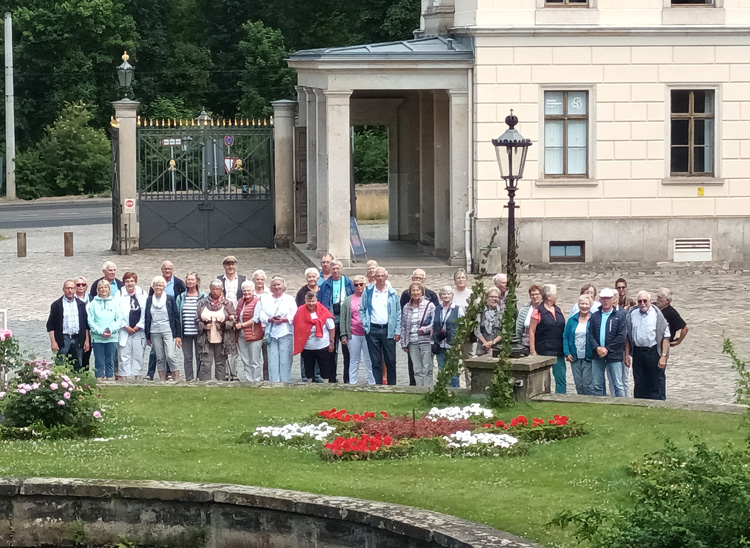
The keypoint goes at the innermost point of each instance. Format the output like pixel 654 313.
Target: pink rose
pixel 21 391
pixel 97 415
pixel 66 395
pixel 61 402
pixel 53 386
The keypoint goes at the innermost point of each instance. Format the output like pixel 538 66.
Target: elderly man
pixel 109 269
pixel 325 267
pixel 675 322
pixel 647 348
pixel 332 294
pixel 232 286
pixel 606 335
pixel 380 314
pixel 68 326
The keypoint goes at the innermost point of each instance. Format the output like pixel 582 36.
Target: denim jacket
pixel 394 311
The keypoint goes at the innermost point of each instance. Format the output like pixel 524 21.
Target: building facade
pixel 638 111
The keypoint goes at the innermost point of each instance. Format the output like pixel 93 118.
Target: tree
pixel 265 77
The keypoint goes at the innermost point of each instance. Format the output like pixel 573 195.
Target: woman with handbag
pixel 445 327
pixel 215 319
pixel 416 333
pixel 276 312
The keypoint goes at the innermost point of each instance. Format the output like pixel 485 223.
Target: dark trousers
pixel 345 352
pixel 646 373
pixel 382 348
pixel 72 350
pixel 322 358
pixel 412 380
pixel 152 365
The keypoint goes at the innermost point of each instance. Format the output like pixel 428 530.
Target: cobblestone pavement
pixel 707 296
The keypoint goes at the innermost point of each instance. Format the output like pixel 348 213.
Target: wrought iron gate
pixel 204 184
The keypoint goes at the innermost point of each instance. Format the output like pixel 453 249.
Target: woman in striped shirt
pixel 187 306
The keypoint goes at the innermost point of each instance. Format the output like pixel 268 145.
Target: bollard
pixel 68 239
pixel 21 244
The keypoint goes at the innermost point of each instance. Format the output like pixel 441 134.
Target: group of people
pixel 604 339
pixel 244 329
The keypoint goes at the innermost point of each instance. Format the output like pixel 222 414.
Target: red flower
pixel 386 415
pixel 500 424
pixel 486 425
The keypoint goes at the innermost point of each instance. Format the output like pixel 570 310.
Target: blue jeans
pixel 280 358
pixel 583 377
pixel 558 373
pixel 440 358
pixel 614 372
pixel 104 359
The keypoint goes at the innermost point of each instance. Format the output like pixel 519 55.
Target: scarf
pixel 303 324
pixel 215 306
pixel 159 302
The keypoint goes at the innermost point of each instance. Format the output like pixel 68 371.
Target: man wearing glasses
pixel 68 326
pixel 332 294
pixel 647 348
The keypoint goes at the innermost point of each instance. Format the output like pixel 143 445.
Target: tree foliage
pixel 370 154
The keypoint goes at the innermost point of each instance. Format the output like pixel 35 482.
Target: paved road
pixel 24 215
pixel 709 298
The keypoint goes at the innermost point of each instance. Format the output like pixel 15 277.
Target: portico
pixel 420 90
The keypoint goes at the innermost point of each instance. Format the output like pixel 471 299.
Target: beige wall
pixel 628 79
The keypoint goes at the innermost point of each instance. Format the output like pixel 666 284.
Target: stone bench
pixel 530 373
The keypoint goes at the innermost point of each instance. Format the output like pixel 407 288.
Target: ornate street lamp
pixel 125 74
pixel 511 149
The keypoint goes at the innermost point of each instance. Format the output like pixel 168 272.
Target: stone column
pixel 126 115
pixel 441 146
pixel 312 168
pixel 338 152
pixel 459 173
pixel 283 143
pixel 427 196
pixel 321 174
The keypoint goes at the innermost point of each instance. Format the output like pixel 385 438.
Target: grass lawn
pixel 189 434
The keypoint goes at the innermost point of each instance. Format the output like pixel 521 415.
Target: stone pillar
pixel 408 171
pixel 283 193
pixel 312 168
pixel 426 170
pixel 338 152
pixel 459 173
pixel 441 146
pixel 321 175
pixel 126 115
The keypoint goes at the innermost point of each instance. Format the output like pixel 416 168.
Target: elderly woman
pixel 132 338
pixel 311 277
pixel 276 312
pixel 249 336
pixel 187 306
pixel 523 321
pixel 546 334
pixel 259 283
pixel 462 292
pixel 215 318
pixel 417 317
pixel 353 333
pixel 445 326
pixel 105 320
pixel 589 290
pixel 372 266
pixel 163 328
pixel 489 323
pixel 577 348
pixel 314 332
pixel 82 294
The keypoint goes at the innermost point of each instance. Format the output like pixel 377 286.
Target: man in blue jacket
pixel 380 313
pixel 606 336
pixel 332 294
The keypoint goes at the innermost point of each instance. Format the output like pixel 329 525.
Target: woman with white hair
pixel 445 327
pixel 216 323
pixel 276 312
pixel 105 320
pixel 546 334
pixel 489 323
pixel 462 292
pixel 163 328
pixel 259 281
pixel 577 348
pixel 311 277
pixel 353 333
pixel 132 337
pixel 249 336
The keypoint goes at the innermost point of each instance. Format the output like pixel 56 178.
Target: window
pixel 567 252
pixel 692 2
pixel 692 130
pixel 571 3
pixel 566 123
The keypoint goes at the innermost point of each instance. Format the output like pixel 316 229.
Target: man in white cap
pixel 607 337
pixel 232 286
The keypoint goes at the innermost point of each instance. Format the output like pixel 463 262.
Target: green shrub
pixel 48 400
pixel 370 152
pixel 695 498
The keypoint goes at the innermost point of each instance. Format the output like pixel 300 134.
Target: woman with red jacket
pixel 314 332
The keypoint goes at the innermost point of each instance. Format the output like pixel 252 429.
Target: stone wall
pixel 63 512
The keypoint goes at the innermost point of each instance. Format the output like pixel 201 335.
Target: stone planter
pixel 530 373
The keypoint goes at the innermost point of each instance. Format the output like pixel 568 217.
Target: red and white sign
pixel 229 163
pixel 129 206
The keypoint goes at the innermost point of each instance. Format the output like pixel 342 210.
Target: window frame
pixel 692 116
pixel 566 4
pixel 567 258
pixel 564 118
pixel 707 3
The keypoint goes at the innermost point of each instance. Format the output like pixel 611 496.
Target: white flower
pixel 455 413
pixel 465 438
pixel 317 432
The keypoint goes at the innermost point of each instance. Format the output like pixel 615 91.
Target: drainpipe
pixel 470 213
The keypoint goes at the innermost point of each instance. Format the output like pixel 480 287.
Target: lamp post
pixel 125 74
pixel 511 149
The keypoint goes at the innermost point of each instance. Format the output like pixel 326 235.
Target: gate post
pixel 126 115
pixel 283 141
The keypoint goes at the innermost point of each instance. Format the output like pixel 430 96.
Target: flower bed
pixel 455 431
